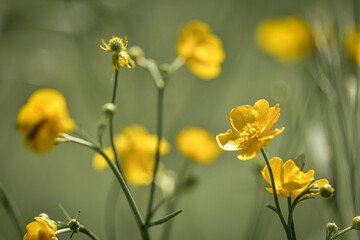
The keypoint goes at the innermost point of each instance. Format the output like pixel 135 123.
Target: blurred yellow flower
pixel 42 118
pixel 137 148
pixel 252 125
pixel 287 39
pixel 197 144
pixel 289 179
pixel 120 54
pixel 201 50
pixel 352 40
pixel 41 229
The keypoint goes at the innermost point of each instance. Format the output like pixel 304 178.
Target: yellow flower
pixel 353 44
pixel 288 39
pixel 120 55
pixel 289 179
pixel 252 125
pixel 41 229
pixel 197 144
pixel 42 118
pixel 201 50
pixel 137 148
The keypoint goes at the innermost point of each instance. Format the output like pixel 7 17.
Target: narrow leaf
pixel 166 218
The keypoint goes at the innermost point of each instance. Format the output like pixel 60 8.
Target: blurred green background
pixel 55 44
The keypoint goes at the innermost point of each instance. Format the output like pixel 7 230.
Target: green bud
pixel 331 229
pixel 136 52
pixel 356 223
pixel 109 109
pixel 74 225
pixel 326 190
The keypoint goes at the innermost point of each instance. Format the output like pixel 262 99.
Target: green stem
pixel 120 178
pixel 275 196
pixel 88 233
pixel 291 219
pixel 341 232
pixel 157 155
pixel 111 132
pixel 12 211
pixel 66 229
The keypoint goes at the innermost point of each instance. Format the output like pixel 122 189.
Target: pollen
pixel 249 132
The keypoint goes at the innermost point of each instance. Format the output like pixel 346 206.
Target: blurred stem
pixel 288 234
pixel 110 211
pixel 157 155
pixel 111 131
pixel 174 201
pixel 119 177
pixel 355 113
pixel 12 211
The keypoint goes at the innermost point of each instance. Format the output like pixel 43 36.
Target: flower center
pixel 250 132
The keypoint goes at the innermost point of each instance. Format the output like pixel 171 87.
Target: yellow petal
pixel 138 167
pixel 42 118
pixel 272 134
pixel 251 150
pixel 228 141
pixel 197 144
pixel 240 116
pixel 204 70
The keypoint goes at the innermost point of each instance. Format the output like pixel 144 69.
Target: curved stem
pixel 82 230
pixel 341 232
pixel 275 196
pixel 138 219
pixel 157 155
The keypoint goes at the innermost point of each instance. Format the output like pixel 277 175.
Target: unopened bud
pixel 74 225
pixel 326 190
pixel 109 109
pixel 136 52
pixel 331 229
pixel 356 223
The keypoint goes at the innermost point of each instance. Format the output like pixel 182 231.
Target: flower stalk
pixel 138 218
pixel 278 209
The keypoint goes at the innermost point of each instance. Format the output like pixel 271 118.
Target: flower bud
pixel 356 223
pixel 74 225
pixel 109 109
pixel 326 191
pixel 331 229
pixel 136 52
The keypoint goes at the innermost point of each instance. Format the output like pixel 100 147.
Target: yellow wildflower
pixel 252 125
pixel 137 148
pixel 120 54
pixel 197 144
pixel 289 179
pixel 42 228
pixel 201 50
pixel 353 44
pixel 288 39
pixel 42 118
